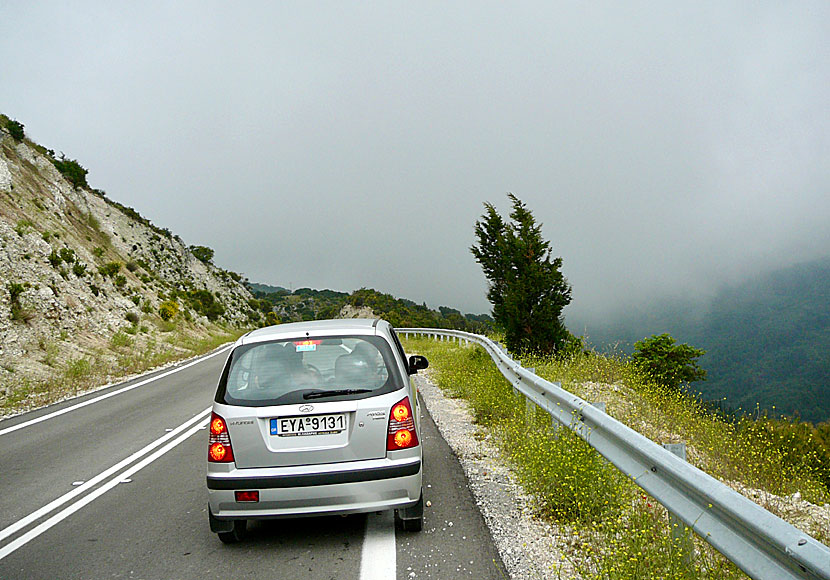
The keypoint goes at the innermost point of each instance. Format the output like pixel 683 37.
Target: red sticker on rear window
pixel 306 345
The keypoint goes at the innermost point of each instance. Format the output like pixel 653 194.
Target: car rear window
pixel 298 370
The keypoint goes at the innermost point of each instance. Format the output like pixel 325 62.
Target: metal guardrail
pixel 760 543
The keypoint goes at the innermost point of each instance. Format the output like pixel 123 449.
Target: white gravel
pixel 529 548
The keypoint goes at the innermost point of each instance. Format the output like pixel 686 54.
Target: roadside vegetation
pixel 125 354
pixel 615 530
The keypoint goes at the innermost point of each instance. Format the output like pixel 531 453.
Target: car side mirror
pixel 417 363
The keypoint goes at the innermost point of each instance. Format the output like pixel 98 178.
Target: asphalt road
pixel 115 488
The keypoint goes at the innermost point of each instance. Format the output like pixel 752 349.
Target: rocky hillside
pixel 83 275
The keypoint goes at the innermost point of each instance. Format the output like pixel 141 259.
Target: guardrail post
pixel 679 532
pixel 530 411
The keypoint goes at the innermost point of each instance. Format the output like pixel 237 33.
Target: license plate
pixel 308 425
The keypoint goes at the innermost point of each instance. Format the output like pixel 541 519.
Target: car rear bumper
pixel 345 488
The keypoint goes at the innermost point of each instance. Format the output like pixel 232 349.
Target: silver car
pixel 315 418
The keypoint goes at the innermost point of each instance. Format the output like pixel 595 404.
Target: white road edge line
pixel 108 395
pixel 62 515
pixel 378 559
pixel 36 515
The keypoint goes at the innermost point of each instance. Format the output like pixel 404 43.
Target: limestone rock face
pixel 77 268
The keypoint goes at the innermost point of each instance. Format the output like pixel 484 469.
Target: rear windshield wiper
pixel 334 393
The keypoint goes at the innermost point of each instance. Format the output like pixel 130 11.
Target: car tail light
pixel 401 433
pixel 219 444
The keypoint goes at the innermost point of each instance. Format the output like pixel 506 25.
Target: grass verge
pixel 616 530
pixel 121 357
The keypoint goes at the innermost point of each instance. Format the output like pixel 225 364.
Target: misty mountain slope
pixel 768 343
pixel 77 269
pixel 767 340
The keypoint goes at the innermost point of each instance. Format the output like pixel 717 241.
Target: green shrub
pixel 16 130
pixel 131 266
pixel 79 269
pixel 668 363
pixel 77 369
pixel 21 314
pixel 15 290
pixel 67 255
pixel 202 253
pixel 72 171
pixel 109 269
pixel 98 252
pixel 22 227
pixel 120 280
pixel 131 317
pixel 168 310
pixel 54 259
pixel 18 312
pixel 203 302
pixel 120 338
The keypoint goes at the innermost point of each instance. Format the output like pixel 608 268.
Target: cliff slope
pixel 84 280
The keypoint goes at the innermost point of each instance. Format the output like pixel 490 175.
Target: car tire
pixel 237 534
pixel 413 525
pixel 412 519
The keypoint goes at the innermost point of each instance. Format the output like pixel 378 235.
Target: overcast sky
pixel 667 147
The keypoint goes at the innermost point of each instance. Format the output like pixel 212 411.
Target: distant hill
pixel 767 340
pixel 310 304
pixel 255 287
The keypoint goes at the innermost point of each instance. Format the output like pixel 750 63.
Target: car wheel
pixel 413 525
pixel 237 534
pixel 412 519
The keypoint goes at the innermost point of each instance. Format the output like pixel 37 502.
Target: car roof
pixel 315 328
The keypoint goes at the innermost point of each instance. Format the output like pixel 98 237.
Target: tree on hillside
pixel 202 253
pixel 73 171
pixel 16 130
pixel 525 285
pixel 668 363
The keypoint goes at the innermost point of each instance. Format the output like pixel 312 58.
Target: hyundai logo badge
pixel 306 408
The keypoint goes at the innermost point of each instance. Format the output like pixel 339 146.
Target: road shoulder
pixel 527 546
